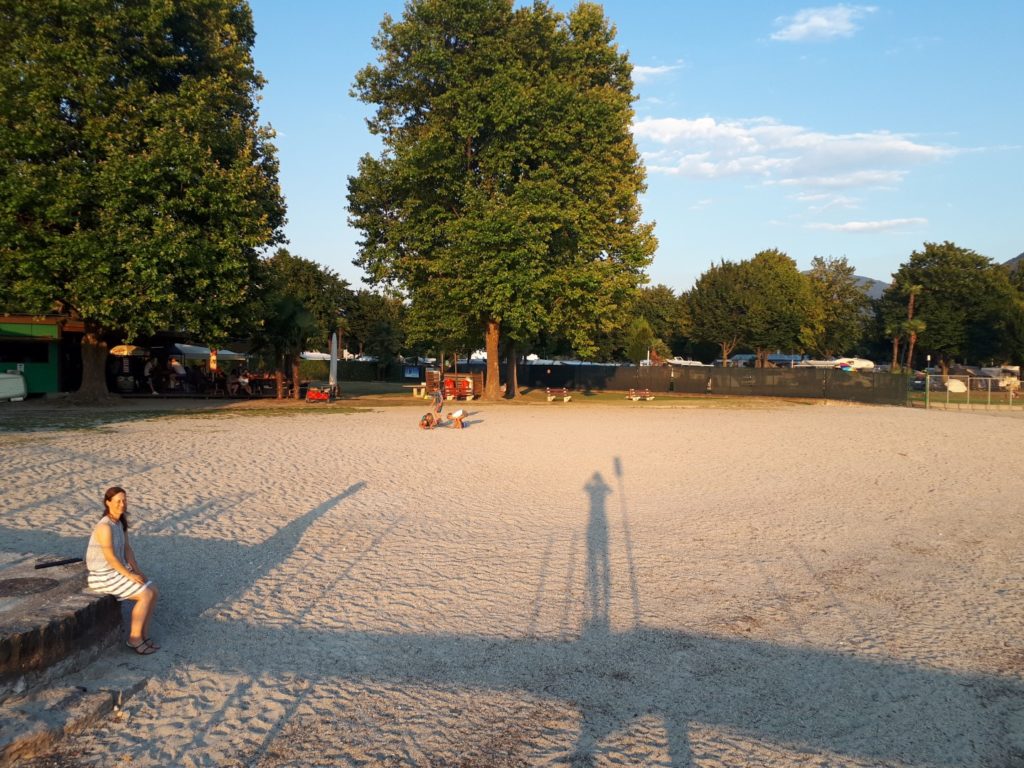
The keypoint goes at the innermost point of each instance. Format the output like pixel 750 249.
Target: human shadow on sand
pixel 808 699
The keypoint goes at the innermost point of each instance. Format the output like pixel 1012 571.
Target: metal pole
pixel 927 382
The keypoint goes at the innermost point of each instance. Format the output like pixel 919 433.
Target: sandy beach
pixel 799 585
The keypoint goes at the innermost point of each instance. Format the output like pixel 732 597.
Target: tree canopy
pixel 136 185
pixel 965 304
pixel 505 198
pixel 377 324
pixel 299 305
pixel 778 303
pixel 718 305
pixel 324 295
pixel 839 308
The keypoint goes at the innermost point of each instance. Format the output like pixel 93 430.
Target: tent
pixel 191 351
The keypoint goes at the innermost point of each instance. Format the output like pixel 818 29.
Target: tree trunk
pixel 492 382
pixel 296 384
pixel 910 350
pixel 895 354
pixel 512 374
pixel 279 380
pixel 727 347
pixel 94 362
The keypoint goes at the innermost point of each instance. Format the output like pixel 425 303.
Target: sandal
pixel 144 648
pixel 152 642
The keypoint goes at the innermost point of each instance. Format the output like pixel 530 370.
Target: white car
pixel 681 361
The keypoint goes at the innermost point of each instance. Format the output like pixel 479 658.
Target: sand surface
pixel 557 585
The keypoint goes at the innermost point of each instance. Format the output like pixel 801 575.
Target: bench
pixel 639 394
pixel 558 392
pixel 458 389
pixel 419 391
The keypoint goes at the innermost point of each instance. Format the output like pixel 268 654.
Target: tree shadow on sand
pixel 808 699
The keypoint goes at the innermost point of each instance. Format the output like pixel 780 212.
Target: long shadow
pixel 862 708
pixel 179 562
pixel 801 697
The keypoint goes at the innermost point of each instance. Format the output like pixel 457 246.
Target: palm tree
pixel 893 330
pixel 912 329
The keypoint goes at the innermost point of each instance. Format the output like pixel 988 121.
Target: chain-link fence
pixel 964 391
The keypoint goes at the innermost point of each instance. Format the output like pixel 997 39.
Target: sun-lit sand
pixel 557 585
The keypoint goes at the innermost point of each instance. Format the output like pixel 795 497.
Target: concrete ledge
pixel 49 625
pixel 51 630
pixel 32 724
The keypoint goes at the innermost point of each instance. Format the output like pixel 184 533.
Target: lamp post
pixel 927 380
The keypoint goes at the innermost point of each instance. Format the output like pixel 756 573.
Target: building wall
pixel 32 348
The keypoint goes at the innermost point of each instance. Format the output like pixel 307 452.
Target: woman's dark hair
pixel 110 493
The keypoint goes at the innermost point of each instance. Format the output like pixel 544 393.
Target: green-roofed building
pixel 44 348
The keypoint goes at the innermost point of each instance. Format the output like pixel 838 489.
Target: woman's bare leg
pixel 149 613
pixel 145 601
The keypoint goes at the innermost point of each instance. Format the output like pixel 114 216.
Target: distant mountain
pixel 1015 263
pixel 873 288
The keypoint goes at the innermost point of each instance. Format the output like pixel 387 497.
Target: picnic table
pixel 418 390
pixel 556 393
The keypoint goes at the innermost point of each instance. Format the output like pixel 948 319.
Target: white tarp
pixel 188 351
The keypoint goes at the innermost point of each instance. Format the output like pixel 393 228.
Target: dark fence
pixel 824 383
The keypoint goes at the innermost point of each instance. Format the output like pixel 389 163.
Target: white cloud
pixel 777 153
pixel 821 23
pixel 866 178
pixel 824 201
pixel 872 226
pixel 642 74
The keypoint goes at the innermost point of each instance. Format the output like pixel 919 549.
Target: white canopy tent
pixel 192 352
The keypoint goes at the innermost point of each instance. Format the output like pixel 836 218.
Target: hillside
pixel 873 288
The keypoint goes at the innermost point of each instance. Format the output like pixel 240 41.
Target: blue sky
pixel 856 130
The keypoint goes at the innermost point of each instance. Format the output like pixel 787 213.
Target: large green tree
pixel 506 193
pixel 779 304
pixel 301 303
pixel 840 307
pixel 319 289
pixel 667 314
pixel 376 325
pixel 965 305
pixel 718 303
pixel 136 185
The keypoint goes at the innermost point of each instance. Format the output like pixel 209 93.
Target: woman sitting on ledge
pixel 114 571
